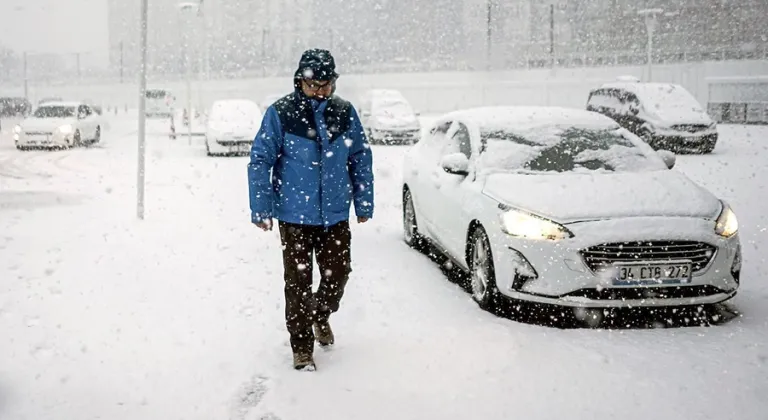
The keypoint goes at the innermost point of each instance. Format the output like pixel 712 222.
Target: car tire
pixel 76 140
pixel 482 273
pixel 411 235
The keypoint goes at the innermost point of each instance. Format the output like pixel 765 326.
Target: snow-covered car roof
pixel 515 118
pixel 645 90
pixel 385 94
pixel 62 103
pixel 235 105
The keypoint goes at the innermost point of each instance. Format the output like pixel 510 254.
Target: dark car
pixel 14 107
pixel 664 115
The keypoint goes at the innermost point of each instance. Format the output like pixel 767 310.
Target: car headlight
pixel 17 129
pixel 525 225
pixel 65 129
pixel 727 225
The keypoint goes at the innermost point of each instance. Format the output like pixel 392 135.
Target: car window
pixel 460 141
pixel 604 100
pixel 567 149
pixel 54 112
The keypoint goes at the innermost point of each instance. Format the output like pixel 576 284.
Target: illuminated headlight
pixel 525 225
pixel 17 129
pixel 727 225
pixel 65 129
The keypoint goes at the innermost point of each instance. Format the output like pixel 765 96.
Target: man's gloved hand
pixel 265 224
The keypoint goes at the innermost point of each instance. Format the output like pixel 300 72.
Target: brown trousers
pixel 331 247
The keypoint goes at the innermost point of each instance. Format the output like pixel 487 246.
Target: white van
pixel 160 103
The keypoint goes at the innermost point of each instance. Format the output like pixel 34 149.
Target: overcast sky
pixel 65 26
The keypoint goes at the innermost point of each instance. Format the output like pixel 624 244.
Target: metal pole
pixel 189 84
pixel 77 57
pixel 121 62
pixel 488 37
pixel 649 26
pixel 26 80
pixel 552 35
pixel 142 114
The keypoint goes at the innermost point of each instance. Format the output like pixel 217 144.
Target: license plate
pixel 652 274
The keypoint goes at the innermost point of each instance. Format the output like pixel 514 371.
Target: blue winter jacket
pixel 320 162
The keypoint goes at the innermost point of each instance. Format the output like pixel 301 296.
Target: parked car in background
pixel 14 107
pixel 565 207
pixel 160 103
pixel 269 100
pixel 58 125
pixel 665 115
pixel 231 127
pixel 49 99
pixel 388 117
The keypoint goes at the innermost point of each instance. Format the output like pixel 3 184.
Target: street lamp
pixel 142 114
pixel 185 8
pixel 650 25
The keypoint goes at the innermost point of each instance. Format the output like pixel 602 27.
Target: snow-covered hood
pixel 682 117
pixel 46 124
pixel 244 128
pixel 395 122
pixel 578 197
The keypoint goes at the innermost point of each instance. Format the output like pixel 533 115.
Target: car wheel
pixel 482 274
pixel 411 234
pixel 76 140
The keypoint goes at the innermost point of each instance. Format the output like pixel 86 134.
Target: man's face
pixel 317 89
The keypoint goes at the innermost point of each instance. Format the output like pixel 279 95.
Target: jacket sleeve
pixel 264 152
pixel 360 167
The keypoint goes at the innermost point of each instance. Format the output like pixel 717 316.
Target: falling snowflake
pixel 348 142
pixel 301 267
pixel 329 154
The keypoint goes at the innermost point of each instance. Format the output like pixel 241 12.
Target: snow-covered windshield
pixel 565 149
pixel 54 112
pixel 395 109
pixel 669 101
pixel 235 112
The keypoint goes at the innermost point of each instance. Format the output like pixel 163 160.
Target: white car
pixel 664 115
pixel 58 125
pixel 565 207
pixel 232 125
pixel 388 117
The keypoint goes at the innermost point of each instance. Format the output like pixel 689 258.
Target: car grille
pixel 690 128
pixel 698 253
pixel 38 133
pixel 641 293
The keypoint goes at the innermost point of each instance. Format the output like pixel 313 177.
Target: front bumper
pixel 42 139
pixel 395 136
pixel 685 142
pixel 229 144
pixel 557 272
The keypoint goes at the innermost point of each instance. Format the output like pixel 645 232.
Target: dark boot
pixel 304 361
pixel 323 333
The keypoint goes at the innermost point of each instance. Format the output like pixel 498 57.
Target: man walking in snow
pixel 313 143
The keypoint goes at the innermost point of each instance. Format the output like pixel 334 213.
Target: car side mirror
pixel 418 113
pixel 668 157
pixel 456 164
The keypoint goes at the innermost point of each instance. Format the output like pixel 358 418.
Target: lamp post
pixel 186 8
pixel 650 26
pixel 142 113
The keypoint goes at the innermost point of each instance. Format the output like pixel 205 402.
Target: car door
pixel 453 197
pixel 425 169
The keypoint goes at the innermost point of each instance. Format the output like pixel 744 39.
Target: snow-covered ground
pixel 180 316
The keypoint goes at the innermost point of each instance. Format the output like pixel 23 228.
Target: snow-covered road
pixel 180 316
